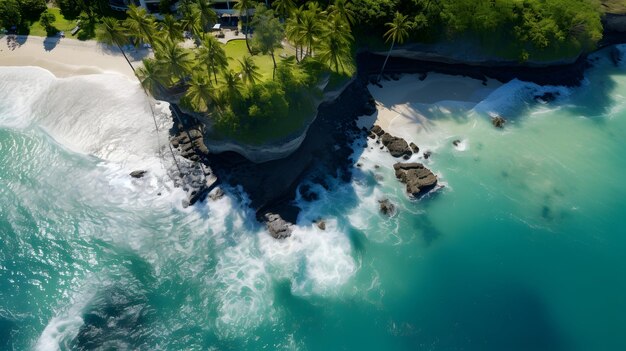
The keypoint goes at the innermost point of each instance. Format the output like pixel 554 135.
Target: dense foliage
pixel 13 12
pixel 521 27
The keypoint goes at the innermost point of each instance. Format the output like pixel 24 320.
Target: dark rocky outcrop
pixel 498 121
pixel 418 179
pixel 216 194
pixel 271 186
pixel 138 174
pixel 320 224
pixel 386 207
pixel 377 130
pixel 456 142
pixel 397 147
pixel 278 227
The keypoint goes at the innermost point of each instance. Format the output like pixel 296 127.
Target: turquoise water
pixel 522 250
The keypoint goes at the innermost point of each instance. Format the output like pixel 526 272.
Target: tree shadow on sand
pixel 134 54
pixel 49 43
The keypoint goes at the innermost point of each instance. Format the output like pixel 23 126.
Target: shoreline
pixel 65 57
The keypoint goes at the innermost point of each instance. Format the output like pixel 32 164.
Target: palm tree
pixel 140 25
pixel 231 85
pixel 175 60
pixel 212 54
pixel 311 30
pixel 398 32
pixel 200 91
pixel 172 28
pixel 284 7
pixel 334 46
pixel 249 70
pixel 208 17
pixel 244 6
pixel 192 20
pixel 110 33
pixel 294 30
pixel 343 9
pixel 151 76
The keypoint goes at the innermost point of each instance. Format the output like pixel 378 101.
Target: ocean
pixel 522 249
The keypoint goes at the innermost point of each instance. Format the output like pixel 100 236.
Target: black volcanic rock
pixel 498 121
pixel 325 152
pixel 386 207
pixel 138 174
pixel 398 147
pixel 278 227
pixel 418 179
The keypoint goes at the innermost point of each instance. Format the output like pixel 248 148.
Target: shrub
pixel 70 9
pixel 10 14
pixel 32 9
pixel 47 21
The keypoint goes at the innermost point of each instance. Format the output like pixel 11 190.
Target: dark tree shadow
pixel 51 42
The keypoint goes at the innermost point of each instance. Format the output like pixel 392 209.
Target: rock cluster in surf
pixel 397 147
pixel 418 179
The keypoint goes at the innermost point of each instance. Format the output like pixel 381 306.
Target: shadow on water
pixel 505 318
pixel 7 328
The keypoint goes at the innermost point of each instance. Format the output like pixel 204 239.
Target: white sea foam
pixel 514 97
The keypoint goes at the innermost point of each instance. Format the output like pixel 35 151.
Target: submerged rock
pixel 278 227
pixel 414 148
pixel 138 174
pixel 418 179
pixel 498 121
pixel 456 142
pixel 427 154
pixel 386 207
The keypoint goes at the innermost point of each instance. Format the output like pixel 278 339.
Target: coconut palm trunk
pixel 273 60
pixel 245 32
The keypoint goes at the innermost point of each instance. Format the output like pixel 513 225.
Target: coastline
pixel 67 57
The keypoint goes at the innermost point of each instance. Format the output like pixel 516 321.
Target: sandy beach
pixel 410 101
pixel 67 57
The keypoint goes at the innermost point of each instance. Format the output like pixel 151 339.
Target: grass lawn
pixel 60 23
pixel 236 50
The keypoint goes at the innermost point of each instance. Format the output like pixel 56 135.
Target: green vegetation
pixel 255 91
pixel 263 88
pixel 512 29
pixel 46 20
pixel 25 15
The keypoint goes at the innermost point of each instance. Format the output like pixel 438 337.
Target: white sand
pixel 409 102
pixel 67 57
